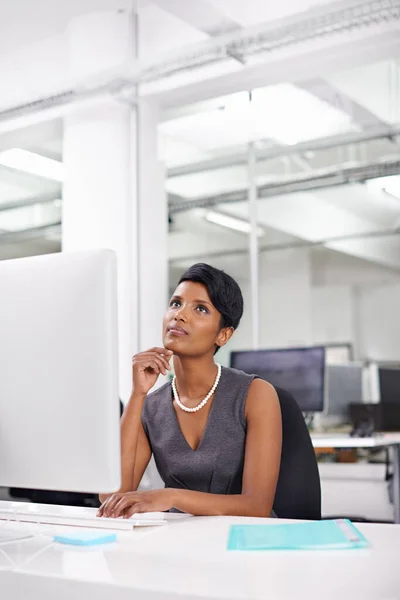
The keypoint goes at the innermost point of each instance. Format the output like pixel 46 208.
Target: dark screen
pixel 300 371
pixel 389 384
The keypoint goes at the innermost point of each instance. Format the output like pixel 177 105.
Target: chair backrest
pixel 298 492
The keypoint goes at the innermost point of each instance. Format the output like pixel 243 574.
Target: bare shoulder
pixel 262 398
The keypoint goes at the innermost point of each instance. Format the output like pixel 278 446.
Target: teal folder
pixel 337 534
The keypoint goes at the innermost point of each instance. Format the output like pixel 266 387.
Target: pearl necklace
pixel 203 402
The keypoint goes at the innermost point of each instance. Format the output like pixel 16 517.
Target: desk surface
pixel 187 559
pixel 342 440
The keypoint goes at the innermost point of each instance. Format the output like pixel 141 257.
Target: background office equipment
pixel 384 413
pixel 344 387
pixel 386 441
pixel 389 385
pixel 368 418
pixel 59 409
pixel 300 371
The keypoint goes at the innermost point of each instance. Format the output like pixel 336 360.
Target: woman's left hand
pixel 128 503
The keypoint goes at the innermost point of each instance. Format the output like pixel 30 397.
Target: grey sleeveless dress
pixel 217 464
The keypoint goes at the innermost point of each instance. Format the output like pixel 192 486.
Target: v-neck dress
pixel 216 466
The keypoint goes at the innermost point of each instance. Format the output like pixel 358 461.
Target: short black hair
pixel 224 292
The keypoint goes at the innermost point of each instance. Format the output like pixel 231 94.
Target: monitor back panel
pixel 59 406
pixel 344 387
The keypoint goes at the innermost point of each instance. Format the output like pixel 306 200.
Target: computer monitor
pixel 344 387
pixel 389 385
pixel 300 371
pixel 59 406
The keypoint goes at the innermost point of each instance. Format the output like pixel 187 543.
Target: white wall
pixel 332 308
pixel 379 318
pixel 317 296
pixel 303 303
pixel 285 298
pixel 285 302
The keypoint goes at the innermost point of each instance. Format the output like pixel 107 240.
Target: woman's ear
pixel 224 336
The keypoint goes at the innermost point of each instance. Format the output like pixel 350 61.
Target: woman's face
pixel 191 325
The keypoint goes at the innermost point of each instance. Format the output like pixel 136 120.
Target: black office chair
pixel 298 492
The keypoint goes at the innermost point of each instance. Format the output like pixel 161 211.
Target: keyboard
pixel 50 514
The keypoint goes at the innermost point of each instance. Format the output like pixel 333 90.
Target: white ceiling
pixel 35 34
pixel 342 101
pixel 255 12
pixel 284 113
pixel 24 23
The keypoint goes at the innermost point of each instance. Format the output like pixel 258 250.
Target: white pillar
pixel 113 193
pixel 99 203
pixel 253 247
pixel 152 231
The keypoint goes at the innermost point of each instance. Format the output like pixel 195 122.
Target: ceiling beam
pixel 314 59
pixel 334 141
pixel 22 235
pixel 204 17
pixel 306 182
pixel 42 199
pixel 199 14
pixel 340 244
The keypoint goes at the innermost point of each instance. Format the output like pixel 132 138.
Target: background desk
pixel 391 440
pixel 187 560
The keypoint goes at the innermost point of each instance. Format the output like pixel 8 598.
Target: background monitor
pixel 300 371
pixel 344 387
pixel 59 406
pixel 389 385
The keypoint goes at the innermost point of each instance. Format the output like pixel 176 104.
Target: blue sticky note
pixel 85 538
pixel 334 534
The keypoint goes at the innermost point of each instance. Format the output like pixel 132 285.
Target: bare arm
pixel 135 449
pixel 261 466
pixel 260 474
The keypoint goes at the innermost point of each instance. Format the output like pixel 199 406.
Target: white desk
pixel 188 560
pixel 391 440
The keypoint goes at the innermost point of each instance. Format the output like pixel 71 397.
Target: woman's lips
pixel 176 330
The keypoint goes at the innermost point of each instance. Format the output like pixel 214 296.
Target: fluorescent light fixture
pixel 390 185
pixel 30 162
pixel 230 222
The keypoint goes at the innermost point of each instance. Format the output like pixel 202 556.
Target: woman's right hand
pixel 147 366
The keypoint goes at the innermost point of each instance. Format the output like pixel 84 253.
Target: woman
pixel 216 434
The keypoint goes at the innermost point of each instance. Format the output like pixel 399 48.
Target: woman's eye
pixel 174 303
pixel 202 309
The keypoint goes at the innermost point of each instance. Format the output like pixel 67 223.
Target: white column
pixel 99 203
pixel 253 247
pixel 152 230
pixel 152 249
pixel 113 193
